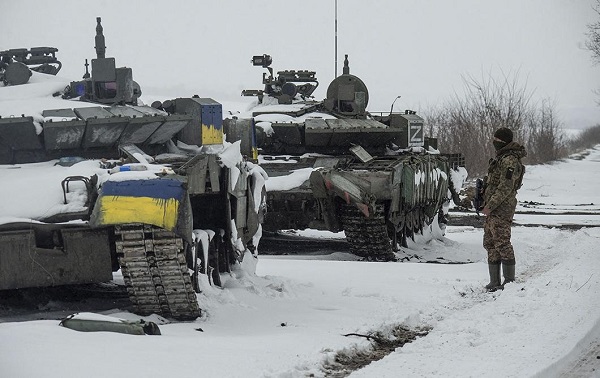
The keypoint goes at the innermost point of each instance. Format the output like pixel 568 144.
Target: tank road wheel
pixel 154 268
pixel 368 237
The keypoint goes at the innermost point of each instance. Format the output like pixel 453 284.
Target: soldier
pixel 504 178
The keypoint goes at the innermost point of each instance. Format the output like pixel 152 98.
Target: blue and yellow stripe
pixel 212 134
pixel 155 202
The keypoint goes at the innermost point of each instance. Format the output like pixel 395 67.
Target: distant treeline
pixel 586 139
pixel 466 124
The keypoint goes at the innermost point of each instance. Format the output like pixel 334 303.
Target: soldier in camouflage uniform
pixel 504 178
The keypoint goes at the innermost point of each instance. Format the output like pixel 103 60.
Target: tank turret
pixel 156 195
pixel 347 95
pixel 107 84
pixel 372 175
pixel 331 126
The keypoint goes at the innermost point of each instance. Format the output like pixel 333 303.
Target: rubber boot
pixel 508 270
pixel 494 269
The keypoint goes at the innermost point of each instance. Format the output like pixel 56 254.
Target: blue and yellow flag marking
pixel 212 134
pixel 154 202
pixel 156 188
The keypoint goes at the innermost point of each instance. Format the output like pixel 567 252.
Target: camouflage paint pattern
pixel 505 173
pixel 504 178
pixel 496 239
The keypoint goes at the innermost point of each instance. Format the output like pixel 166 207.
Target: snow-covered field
pixel 298 312
pixel 293 316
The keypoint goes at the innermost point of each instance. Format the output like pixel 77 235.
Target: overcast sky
pixel 420 50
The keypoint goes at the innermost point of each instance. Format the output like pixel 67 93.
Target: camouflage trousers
pixel 496 238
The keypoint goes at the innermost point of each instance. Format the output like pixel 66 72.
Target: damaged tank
pixel 332 165
pixel 16 65
pixel 165 201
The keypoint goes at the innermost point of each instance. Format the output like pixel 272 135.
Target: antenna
pixel 336 53
pixel 392 108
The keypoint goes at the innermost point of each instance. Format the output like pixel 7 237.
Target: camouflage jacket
pixel 504 178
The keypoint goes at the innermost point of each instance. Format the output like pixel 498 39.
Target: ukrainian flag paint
pixel 155 202
pixel 212 134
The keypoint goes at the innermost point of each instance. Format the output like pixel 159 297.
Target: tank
pixel 16 65
pixel 333 165
pixel 165 201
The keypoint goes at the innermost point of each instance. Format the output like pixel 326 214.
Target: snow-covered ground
pixel 291 317
pixel 294 315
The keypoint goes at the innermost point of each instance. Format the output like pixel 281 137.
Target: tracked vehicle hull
pixel 381 203
pixel 375 176
pixel 148 180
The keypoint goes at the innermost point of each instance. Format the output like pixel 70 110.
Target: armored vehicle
pixel 16 65
pixel 154 193
pixel 334 166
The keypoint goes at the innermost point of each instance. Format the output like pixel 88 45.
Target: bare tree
pixel 544 137
pixel 593 42
pixel 593 34
pixel 468 121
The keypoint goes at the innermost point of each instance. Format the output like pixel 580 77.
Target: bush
pixel 588 138
pixel 466 124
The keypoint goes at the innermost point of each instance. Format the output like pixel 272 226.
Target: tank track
pixel 368 237
pixel 155 272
